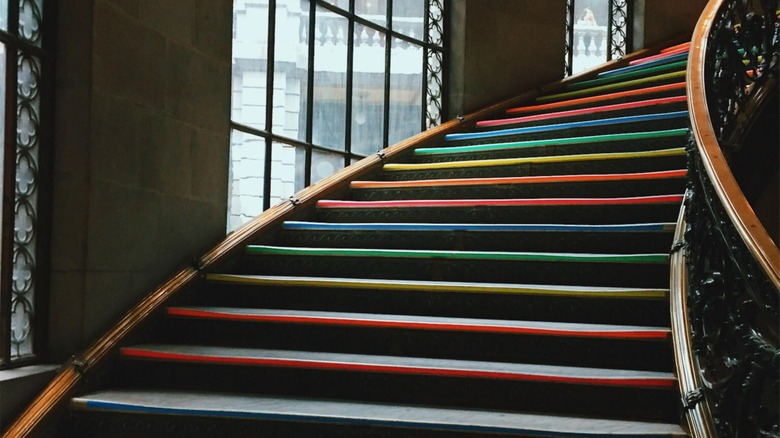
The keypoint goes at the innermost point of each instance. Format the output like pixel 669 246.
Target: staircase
pixel 511 281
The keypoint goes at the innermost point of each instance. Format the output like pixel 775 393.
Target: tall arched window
pixel 319 84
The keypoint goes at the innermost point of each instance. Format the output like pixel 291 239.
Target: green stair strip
pixel 605 138
pixel 458 255
pixel 679 65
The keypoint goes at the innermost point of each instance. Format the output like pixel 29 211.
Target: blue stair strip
pixel 327 226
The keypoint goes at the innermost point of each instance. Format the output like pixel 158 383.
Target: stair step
pixel 587 163
pixel 663 120
pixel 607 185
pixel 533 210
pixel 487 300
pixel 320 318
pixel 666 90
pixel 663 59
pixel 624 109
pixel 662 79
pixel 321 414
pixel 620 142
pixel 639 71
pixel 400 365
pixel 630 238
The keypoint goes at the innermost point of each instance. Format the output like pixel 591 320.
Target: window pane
pixel 324 164
pixel 590 34
pixel 343 4
pixel 330 80
pixel 368 91
pixel 408 17
pixel 373 10
pixel 247 168
pixel 290 66
pixel 4 15
pixel 283 168
pixel 250 49
pixel 405 90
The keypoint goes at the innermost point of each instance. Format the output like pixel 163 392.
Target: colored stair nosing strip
pixel 582 111
pixel 642 71
pixel 612 87
pixel 317 411
pixel 430 323
pixel 599 98
pixel 457 255
pixel 441 286
pixel 661 227
pixel 523 202
pixel 399 365
pixel 665 60
pixel 519 180
pixel 660 56
pixel 686 45
pixel 570 125
pixel 603 138
pixel 498 162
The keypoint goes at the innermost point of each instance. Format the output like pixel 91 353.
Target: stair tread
pixel 457 255
pixel 542 328
pixel 440 286
pixel 414 203
pixel 497 162
pixel 227 405
pixel 400 365
pixel 569 125
pixel 664 58
pixel 678 75
pixel 637 71
pixel 583 111
pixel 541 179
pixel 679 86
pixel 378 226
pixel 563 141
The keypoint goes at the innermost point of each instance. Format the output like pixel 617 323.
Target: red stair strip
pixel 660 199
pixel 599 98
pixel 581 111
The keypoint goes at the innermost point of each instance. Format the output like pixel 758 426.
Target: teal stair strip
pixel 552 141
pixel 571 125
pixel 662 61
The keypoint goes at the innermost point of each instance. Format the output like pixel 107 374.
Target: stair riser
pixel 552 168
pixel 528 272
pixel 595 214
pixel 460 392
pixel 638 145
pixel 617 243
pixel 638 354
pixel 652 125
pixel 615 189
pixel 586 309
pixel 596 114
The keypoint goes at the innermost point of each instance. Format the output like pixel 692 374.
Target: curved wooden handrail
pixel 33 419
pixel 739 211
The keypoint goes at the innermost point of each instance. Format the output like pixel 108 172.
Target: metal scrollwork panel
pixel 741 51
pixel 434 65
pixel 25 203
pixel 734 313
pixel 569 43
pixel 619 22
pixel 31 20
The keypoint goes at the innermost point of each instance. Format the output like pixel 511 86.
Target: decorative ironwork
pixel 568 57
pixel 434 64
pixel 619 20
pixel 733 312
pixel 31 20
pixel 25 204
pixel 742 50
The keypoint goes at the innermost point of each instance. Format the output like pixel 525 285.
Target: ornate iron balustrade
pixel 733 288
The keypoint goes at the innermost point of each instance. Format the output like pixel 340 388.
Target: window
pixel 596 31
pixel 319 84
pixel 26 110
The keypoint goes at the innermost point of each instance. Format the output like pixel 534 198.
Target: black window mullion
pixel 350 85
pixel 310 94
pixel 610 28
pixel 269 102
pixel 388 49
